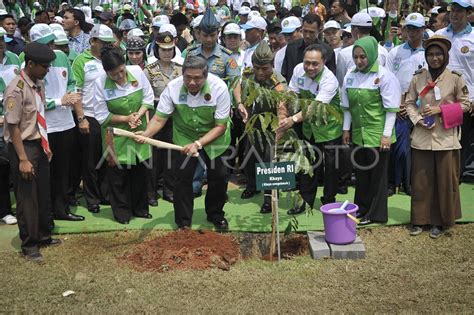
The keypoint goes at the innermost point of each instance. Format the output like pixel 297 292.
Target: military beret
pixel 40 53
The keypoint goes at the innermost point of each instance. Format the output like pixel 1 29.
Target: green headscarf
pixel 371 48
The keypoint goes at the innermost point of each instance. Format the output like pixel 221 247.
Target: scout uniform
pixel 24 105
pixel 86 69
pixel 324 88
pixel 127 180
pixel 9 69
pixel 193 116
pixel 256 152
pixel 60 122
pixel 436 152
pixel 368 99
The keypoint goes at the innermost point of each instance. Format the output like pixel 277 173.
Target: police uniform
pixel 161 158
pixel 370 101
pixel 9 69
pixel 86 69
pixel 325 89
pixel 24 105
pixel 193 116
pixel 127 179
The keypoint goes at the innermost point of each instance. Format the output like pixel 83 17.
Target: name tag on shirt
pixel 437 93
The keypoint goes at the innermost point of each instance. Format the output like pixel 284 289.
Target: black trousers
pixel 325 164
pixel 467 140
pixel 371 195
pixel 61 145
pixel 5 202
pixel 345 166
pixel 162 174
pixel 127 191
pixel 217 173
pixel 254 154
pixel 32 198
pixel 87 153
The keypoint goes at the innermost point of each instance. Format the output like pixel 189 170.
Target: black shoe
pixel 168 198
pixel 326 201
pixel 297 210
pixel 104 202
pixel 94 209
pixel 365 221
pixel 34 257
pixel 342 190
pixel 145 216
pixel 123 221
pixel 52 242
pixel 266 208
pixel 69 217
pixel 391 191
pixel 73 202
pixel 416 230
pixel 152 202
pixel 436 232
pixel 221 225
pixel 247 194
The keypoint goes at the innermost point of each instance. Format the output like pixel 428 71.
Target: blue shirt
pixel 80 42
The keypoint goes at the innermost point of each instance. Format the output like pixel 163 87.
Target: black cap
pixel 40 53
pixel 106 16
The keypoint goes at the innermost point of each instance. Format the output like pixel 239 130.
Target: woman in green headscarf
pixel 370 100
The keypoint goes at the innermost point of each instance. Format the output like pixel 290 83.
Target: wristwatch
pixel 81 119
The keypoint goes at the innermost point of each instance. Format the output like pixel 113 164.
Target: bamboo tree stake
pixel 275 238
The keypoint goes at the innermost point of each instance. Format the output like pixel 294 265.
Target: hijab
pixel 445 46
pixel 370 47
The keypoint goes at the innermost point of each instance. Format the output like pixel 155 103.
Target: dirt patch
pixel 199 250
pixel 185 249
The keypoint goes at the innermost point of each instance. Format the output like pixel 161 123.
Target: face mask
pixel 392 14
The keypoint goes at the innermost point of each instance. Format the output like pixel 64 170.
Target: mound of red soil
pixel 185 249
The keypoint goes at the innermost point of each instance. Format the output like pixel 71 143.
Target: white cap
pixel 464 3
pixel 331 24
pixel 41 33
pixel 86 1
pixel 61 37
pixel 232 28
pixel 3 12
pixel 270 7
pixel 189 6
pixel 99 8
pixel 36 4
pixel 127 7
pixel 290 24
pixel 196 21
pixel 435 10
pixel 56 27
pixel 347 28
pixel 160 20
pixel 135 32
pixel 256 22
pixel 253 13
pixel 415 19
pixel 170 28
pixel 58 19
pixel 361 19
pixel 267 1
pixel 213 2
pixel 102 32
pixel 90 20
pixel 244 10
pixel 201 8
pixel 2 31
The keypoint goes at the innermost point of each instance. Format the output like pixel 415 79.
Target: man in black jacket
pixel 295 49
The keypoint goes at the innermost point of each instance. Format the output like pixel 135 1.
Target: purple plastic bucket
pixel 339 228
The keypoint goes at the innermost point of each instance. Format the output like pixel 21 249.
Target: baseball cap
pixel 99 8
pixel 160 20
pixel 3 33
pixel 361 19
pixel 102 32
pixel 347 28
pixel 127 25
pixel 232 28
pixel 41 33
pixel 36 4
pixel 244 10
pixel 256 22
pixel 61 37
pixel 90 20
pixel 169 28
pixel 290 24
pixel 196 21
pixel 269 8
pixel 136 32
pixel 435 10
pixel 331 24
pixel 106 16
pixel 3 12
pixel 127 7
pixel 253 13
pixel 463 3
pixel 189 6
pixel 56 27
pixel 58 19
pixel 415 19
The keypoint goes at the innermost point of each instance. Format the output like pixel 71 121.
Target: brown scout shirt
pixel 158 79
pixel 21 107
pixel 453 89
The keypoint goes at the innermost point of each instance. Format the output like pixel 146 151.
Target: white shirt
pixel 220 97
pixel 461 55
pixel 325 90
pixel 103 95
pixel 345 61
pixel 403 61
pixel 279 57
pixel 248 56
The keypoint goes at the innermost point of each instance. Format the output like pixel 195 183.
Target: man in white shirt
pixel 291 28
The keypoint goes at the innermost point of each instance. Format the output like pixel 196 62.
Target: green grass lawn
pixel 400 274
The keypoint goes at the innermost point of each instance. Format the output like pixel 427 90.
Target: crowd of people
pixel 399 80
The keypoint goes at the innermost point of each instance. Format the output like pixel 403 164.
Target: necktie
pixel 42 123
